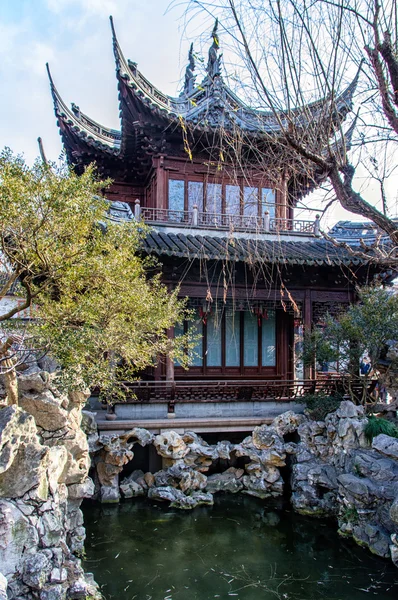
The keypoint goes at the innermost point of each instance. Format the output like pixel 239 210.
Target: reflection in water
pixel 241 548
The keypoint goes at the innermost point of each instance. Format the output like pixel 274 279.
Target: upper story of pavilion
pixel 203 160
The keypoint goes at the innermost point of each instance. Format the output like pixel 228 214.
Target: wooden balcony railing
pixel 205 220
pixel 173 392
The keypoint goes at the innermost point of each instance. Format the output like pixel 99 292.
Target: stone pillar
pixel 194 215
pixel 317 226
pixel 137 210
pixel 266 221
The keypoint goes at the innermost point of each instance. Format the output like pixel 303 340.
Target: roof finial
pixel 41 150
pixel 189 76
pixel 213 64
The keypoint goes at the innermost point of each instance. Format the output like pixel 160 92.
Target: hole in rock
pixel 291 437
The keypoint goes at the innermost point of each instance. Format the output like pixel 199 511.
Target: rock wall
pixel 44 462
pixel 331 471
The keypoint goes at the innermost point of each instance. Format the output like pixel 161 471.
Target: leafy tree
pixel 366 329
pixel 99 307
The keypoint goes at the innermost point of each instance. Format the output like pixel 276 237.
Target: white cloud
pixel 99 8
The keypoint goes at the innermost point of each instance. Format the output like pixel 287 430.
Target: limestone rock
pixel 40 521
pixel 79 396
pixel 394 511
pixel 260 487
pixel 178 499
pixel 78 491
pixel 164 479
pixel 35 382
pixel 348 409
pixel 16 427
pixel 192 481
pixel 55 592
pixel 89 424
pixel 45 408
pixel 287 422
pixel 265 437
pixel 16 534
pixel 107 473
pixel 228 481
pixel 109 494
pixel 36 570
pixel 132 489
pixel 137 435
pixel 386 445
pixel 134 485
pixel 149 479
pixel 394 549
pixel 223 450
pixel 57 458
pixel 28 471
pixel 3 587
pixel 170 445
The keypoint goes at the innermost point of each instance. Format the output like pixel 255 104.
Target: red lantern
pixel 204 311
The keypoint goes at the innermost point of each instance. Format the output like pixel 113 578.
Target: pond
pixel 241 548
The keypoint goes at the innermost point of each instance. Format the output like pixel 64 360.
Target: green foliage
pixel 101 309
pixel 377 425
pixel 363 330
pixel 320 405
pixel 317 347
pixel 350 515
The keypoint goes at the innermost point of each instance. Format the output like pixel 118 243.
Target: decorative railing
pixel 205 220
pixel 172 392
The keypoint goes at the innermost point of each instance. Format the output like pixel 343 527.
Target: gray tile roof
pixel 309 252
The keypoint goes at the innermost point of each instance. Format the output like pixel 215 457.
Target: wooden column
pixel 282 211
pixel 161 187
pixel 307 309
pixel 169 361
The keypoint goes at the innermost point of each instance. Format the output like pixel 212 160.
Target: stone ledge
pixel 182 425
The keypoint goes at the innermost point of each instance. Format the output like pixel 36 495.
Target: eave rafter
pixel 84 131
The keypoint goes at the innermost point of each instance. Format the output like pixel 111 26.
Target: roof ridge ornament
pixel 190 78
pixel 214 62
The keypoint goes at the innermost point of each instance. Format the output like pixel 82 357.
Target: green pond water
pixel 241 548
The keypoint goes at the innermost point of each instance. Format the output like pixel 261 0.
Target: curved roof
pixel 213 104
pixel 153 122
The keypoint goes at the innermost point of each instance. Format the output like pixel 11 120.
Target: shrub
pixel 320 405
pixel 376 425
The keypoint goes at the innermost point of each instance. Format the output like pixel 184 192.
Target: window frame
pixel 240 371
pixel 240 182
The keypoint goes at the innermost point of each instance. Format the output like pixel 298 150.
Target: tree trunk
pixel 11 382
pixel 354 202
pixel 9 374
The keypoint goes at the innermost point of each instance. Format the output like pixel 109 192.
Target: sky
pixel 74 37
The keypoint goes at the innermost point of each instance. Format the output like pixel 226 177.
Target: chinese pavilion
pixel 206 172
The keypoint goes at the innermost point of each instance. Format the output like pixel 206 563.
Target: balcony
pixel 228 405
pixel 195 219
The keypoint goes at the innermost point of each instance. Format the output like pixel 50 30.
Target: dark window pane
pixel 268 341
pixel 250 340
pixel 232 338
pixel 232 199
pixel 195 355
pixel 213 354
pixel 250 201
pixel 195 195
